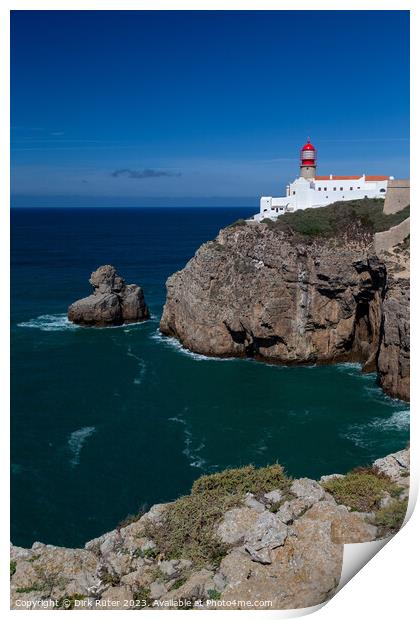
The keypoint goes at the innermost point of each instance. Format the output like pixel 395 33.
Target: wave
pixel 363 434
pixel 59 322
pixel 49 323
pixel 76 441
pixel 173 343
pixel 348 365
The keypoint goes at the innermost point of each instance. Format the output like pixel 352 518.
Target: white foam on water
pixel 354 369
pixel 141 364
pixel 191 452
pixel 359 434
pixel 59 322
pixel 349 365
pixel 400 421
pixel 49 323
pixel 173 343
pixel 76 441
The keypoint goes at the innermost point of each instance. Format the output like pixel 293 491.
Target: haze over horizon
pixel 201 107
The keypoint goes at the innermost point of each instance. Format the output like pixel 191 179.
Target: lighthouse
pixel 310 190
pixel 308 161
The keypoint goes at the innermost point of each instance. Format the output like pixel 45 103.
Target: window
pixel 358 188
pixel 335 189
pixel 341 189
pixel 293 193
pixel 351 189
pixel 319 189
pixel 325 189
pixel 382 190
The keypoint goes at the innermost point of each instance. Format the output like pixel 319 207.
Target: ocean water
pixel 105 421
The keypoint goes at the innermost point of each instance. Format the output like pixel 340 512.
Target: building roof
pixel 349 178
pixel 336 178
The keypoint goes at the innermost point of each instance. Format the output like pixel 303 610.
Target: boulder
pixel 113 302
pixel 273 497
pixel 395 466
pixel 308 490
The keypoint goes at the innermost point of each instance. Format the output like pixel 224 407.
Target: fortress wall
pixel 386 240
pixel 397 195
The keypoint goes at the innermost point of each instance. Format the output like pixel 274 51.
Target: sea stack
pixel 113 302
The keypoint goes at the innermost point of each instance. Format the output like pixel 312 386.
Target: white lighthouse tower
pixel 308 161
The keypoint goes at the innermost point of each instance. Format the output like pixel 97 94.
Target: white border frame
pixel 387 586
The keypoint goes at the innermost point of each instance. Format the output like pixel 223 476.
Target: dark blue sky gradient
pixel 204 104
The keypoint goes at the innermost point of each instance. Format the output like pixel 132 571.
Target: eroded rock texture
pixel 113 302
pixel 262 293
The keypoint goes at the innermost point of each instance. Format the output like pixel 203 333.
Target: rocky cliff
pixel 244 538
pixel 263 292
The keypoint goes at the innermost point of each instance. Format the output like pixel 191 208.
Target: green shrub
pixel 214 595
pixel 248 479
pixel 109 578
pixel 179 582
pixel 187 527
pixel 12 567
pixel 143 596
pixel 361 489
pixel 353 215
pixel 390 519
pixel 35 587
pixel 240 222
pixel 68 602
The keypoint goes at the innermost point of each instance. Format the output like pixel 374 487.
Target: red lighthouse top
pixel 308 154
pixel 308 146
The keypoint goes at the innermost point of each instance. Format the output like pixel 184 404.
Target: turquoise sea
pixel 106 421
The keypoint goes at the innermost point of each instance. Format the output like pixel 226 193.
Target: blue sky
pixel 165 106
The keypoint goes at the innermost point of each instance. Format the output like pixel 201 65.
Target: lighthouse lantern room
pixel 308 160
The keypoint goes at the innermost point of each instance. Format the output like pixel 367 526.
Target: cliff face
pixel 393 362
pixel 242 535
pixel 259 292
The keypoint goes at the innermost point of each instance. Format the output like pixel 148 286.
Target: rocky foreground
pixel 247 537
pixel 113 302
pixel 257 291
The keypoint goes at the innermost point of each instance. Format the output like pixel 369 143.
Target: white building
pixel 310 190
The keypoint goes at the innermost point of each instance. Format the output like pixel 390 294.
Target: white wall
pixel 305 194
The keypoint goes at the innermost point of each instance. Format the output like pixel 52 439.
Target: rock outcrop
pixel 113 302
pixel 281 549
pixel 260 292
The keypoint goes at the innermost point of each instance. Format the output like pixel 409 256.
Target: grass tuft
pixel 143 597
pixel 187 528
pixel 361 489
pixel 69 602
pixel 390 519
